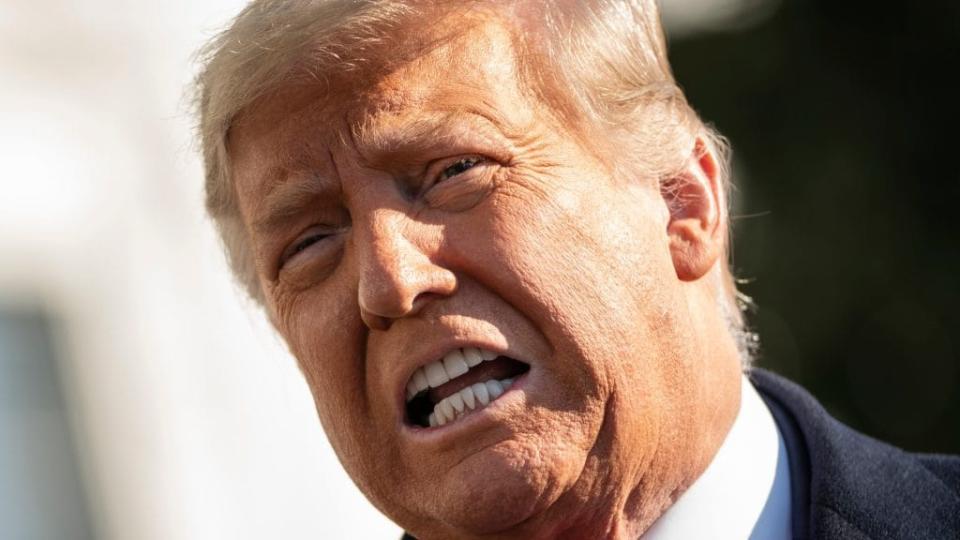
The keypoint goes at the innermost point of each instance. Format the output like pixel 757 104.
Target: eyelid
pixel 291 251
pixel 435 170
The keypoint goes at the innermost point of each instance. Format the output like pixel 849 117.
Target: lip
pixel 442 435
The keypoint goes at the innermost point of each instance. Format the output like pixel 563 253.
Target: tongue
pixel 498 368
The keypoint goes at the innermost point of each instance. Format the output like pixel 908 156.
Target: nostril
pixel 382 322
pixel 422 300
pixel 397 276
pixel 374 321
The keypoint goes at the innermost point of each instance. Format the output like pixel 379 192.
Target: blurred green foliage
pixel 843 119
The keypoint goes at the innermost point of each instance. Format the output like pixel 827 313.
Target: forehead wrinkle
pixel 391 116
pixel 277 114
pixel 416 87
pixel 454 115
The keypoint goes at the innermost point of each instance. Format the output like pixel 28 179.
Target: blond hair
pixel 601 65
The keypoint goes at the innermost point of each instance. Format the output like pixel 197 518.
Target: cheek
pixel 321 329
pixel 597 259
pixel 325 333
pixel 591 269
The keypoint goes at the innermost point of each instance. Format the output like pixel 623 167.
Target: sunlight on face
pixel 442 230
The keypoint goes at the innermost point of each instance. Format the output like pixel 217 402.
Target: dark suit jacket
pixel 848 486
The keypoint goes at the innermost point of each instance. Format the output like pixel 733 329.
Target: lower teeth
pixel 465 401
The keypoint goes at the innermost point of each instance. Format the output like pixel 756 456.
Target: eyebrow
pixel 380 144
pixel 290 199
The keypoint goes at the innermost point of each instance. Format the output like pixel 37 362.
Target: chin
pixel 501 487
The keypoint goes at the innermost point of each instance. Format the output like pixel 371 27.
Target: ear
pixel 697 217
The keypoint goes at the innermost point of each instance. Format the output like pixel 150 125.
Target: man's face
pixel 463 216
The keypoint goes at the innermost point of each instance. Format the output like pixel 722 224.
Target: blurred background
pixel 843 124
pixel 142 397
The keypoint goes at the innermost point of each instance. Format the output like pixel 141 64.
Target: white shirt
pixel 745 491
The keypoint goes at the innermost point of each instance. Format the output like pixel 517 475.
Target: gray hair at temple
pixel 600 65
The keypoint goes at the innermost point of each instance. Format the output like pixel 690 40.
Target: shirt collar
pixel 744 492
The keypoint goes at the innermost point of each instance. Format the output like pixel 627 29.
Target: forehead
pixel 467 65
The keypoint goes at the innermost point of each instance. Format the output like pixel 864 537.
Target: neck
pixel 617 509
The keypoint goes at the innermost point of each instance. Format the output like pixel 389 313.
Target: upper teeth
pixel 454 364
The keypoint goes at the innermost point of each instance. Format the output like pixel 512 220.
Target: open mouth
pixel 463 381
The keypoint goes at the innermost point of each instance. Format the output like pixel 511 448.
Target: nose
pixel 397 276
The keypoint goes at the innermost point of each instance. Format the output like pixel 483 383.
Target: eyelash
pixel 471 162
pixel 302 245
pixel 305 243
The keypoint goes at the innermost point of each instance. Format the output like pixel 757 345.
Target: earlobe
pixel 696 227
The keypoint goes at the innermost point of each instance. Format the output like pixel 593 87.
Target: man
pixel 493 233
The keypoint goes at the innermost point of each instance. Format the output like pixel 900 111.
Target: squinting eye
pixel 307 242
pixel 459 167
pixel 302 245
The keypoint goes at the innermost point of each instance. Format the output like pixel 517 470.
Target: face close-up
pixel 494 323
